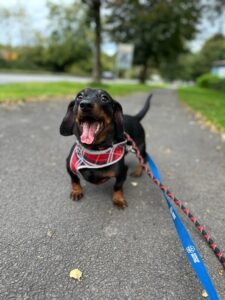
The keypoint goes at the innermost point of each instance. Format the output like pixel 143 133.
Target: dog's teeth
pixel 97 128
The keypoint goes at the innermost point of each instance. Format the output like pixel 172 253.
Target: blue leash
pixel 186 241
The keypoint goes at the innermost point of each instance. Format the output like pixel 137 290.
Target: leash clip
pixel 129 148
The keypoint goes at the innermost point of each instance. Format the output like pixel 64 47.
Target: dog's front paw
pixel 77 192
pixel 75 196
pixel 118 199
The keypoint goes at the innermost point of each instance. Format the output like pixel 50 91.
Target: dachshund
pixel 98 123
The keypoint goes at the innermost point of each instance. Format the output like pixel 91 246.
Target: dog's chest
pixel 97 176
pixel 96 166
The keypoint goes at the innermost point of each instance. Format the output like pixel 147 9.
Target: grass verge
pixel 210 104
pixel 27 91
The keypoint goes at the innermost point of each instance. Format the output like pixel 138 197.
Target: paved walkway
pixel 130 254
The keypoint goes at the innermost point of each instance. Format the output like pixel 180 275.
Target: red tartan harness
pixel 83 158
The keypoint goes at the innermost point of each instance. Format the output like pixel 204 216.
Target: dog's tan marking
pixel 109 173
pixel 77 192
pixel 118 199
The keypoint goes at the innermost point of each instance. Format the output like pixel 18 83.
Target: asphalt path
pixel 123 254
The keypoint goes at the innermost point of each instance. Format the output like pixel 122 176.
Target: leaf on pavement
pixel 76 274
pixel 50 233
pixel 204 294
pixel 221 272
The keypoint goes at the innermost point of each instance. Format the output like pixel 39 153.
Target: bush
pixel 81 68
pixel 211 81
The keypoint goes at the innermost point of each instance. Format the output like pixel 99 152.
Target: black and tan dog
pixel 98 123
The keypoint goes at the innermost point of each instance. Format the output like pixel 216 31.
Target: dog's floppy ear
pixel 118 119
pixel 66 128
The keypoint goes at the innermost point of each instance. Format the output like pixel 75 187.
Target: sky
pixel 37 20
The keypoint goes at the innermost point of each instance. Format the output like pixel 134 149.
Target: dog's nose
pixel 86 105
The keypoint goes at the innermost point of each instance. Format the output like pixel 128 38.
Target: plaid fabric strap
pixel 83 158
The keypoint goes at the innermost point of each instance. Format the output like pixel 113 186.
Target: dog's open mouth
pixel 89 128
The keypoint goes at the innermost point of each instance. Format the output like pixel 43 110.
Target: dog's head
pixel 93 116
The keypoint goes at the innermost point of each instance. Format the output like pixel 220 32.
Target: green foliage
pixel 32 57
pixel 211 81
pixel 80 68
pixel 108 62
pixel 68 43
pixel 212 50
pixel 68 48
pixel 158 29
pixel 207 80
pixel 184 67
pixel 209 103
pixel 190 66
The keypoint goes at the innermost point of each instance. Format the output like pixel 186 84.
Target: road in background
pixel 22 78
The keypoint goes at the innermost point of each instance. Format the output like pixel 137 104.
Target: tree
pixel 189 66
pixel 158 29
pixel 94 16
pixel 216 6
pixel 186 67
pixel 8 18
pixel 68 42
pixel 212 50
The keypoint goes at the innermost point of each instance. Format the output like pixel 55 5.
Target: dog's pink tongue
pixel 88 133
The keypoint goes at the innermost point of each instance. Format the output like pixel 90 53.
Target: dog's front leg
pixel 118 198
pixel 76 192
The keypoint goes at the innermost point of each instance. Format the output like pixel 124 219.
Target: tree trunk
pixel 97 55
pixel 144 72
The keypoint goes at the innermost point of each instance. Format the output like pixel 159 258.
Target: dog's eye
pixel 80 96
pixel 104 98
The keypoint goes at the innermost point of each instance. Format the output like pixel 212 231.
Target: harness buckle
pixel 129 148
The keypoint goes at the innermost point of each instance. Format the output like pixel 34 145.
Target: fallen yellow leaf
pixel 204 294
pixel 221 272
pixel 76 274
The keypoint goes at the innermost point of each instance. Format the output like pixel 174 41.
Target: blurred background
pixel 170 40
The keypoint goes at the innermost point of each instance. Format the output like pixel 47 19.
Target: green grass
pixel 27 91
pixel 210 104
